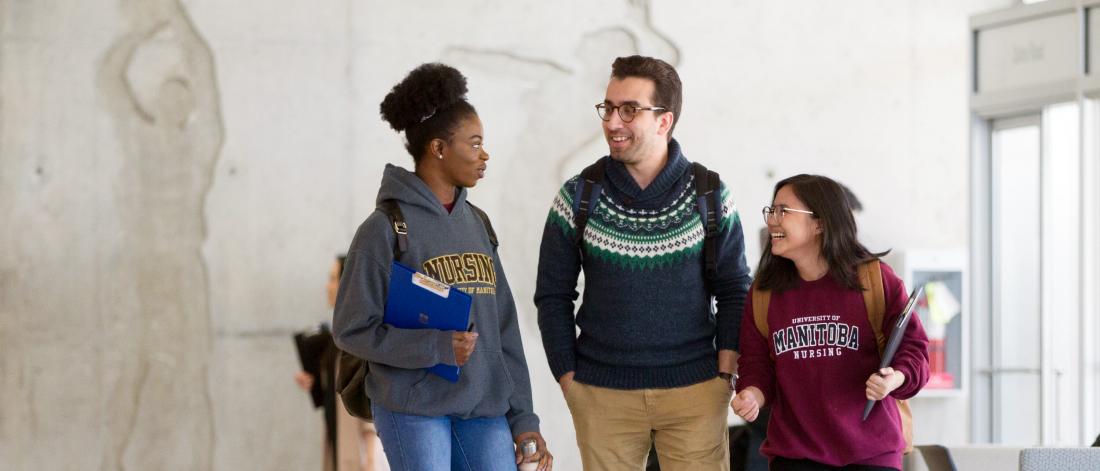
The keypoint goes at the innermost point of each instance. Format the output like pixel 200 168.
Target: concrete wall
pixel 176 176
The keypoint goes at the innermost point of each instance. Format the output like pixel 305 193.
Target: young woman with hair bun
pixel 426 422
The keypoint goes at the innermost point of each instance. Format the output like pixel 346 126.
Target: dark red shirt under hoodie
pixel 816 382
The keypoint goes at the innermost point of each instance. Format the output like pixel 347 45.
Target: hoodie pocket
pixel 484 389
pixel 503 365
pixel 496 398
pixel 416 385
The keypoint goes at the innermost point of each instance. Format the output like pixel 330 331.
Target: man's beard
pixel 627 155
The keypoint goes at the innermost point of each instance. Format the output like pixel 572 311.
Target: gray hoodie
pixel 453 248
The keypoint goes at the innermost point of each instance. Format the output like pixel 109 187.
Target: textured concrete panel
pixel 51 206
pixel 158 81
pixel 104 286
pixel 264 421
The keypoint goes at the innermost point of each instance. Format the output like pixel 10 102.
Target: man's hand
pixel 463 344
pixel 565 381
pixel 542 456
pixel 883 382
pixel 747 403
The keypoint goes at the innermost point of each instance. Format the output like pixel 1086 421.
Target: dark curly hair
pixel 428 104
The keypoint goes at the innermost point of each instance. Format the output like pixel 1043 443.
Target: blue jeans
pixel 419 443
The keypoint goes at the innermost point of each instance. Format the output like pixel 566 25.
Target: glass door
pixel 1016 245
pixel 1036 251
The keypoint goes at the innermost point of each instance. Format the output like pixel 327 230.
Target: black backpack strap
pixel 708 201
pixel 488 225
pixel 397 223
pixel 589 188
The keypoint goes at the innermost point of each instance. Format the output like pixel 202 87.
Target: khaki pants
pixel 688 426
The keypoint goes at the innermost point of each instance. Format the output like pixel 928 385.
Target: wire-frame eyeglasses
pixel 777 213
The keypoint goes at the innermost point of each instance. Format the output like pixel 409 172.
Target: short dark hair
pixel 667 90
pixel 840 247
pixel 428 104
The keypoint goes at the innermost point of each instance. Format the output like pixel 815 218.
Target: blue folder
pixel 416 301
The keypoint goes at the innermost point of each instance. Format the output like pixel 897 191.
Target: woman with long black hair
pixel 814 354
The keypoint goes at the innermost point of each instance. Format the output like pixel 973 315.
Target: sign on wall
pixel 1030 53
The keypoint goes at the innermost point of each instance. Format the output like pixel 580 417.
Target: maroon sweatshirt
pixel 825 350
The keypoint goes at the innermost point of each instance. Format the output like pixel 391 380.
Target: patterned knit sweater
pixel 646 319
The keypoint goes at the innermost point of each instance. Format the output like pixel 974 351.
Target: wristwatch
pixel 730 378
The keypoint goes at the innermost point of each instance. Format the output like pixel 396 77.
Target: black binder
pixel 311 347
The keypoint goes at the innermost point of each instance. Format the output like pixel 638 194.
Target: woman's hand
pixel 463 344
pixel 304 380
pixel 883 382
pixel 542 456
pixel 747 403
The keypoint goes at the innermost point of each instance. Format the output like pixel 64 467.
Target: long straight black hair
pixel 839 245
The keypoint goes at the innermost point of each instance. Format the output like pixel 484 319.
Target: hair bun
pixel 426 90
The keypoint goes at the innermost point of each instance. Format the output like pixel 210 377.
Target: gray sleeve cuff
pixel 524 423
pixel 445 348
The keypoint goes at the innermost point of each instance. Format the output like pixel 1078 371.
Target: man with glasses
pixel 658 238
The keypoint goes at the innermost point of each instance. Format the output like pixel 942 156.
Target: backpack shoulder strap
pixel 874 299
pixel 485 221
pixel 397 223
pixel 708 202
pixel 589 187
pixel 760 301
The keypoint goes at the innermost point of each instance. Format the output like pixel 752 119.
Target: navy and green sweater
pixel 645 320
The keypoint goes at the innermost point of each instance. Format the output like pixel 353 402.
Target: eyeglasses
pixel 627 112
pixel 777 213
